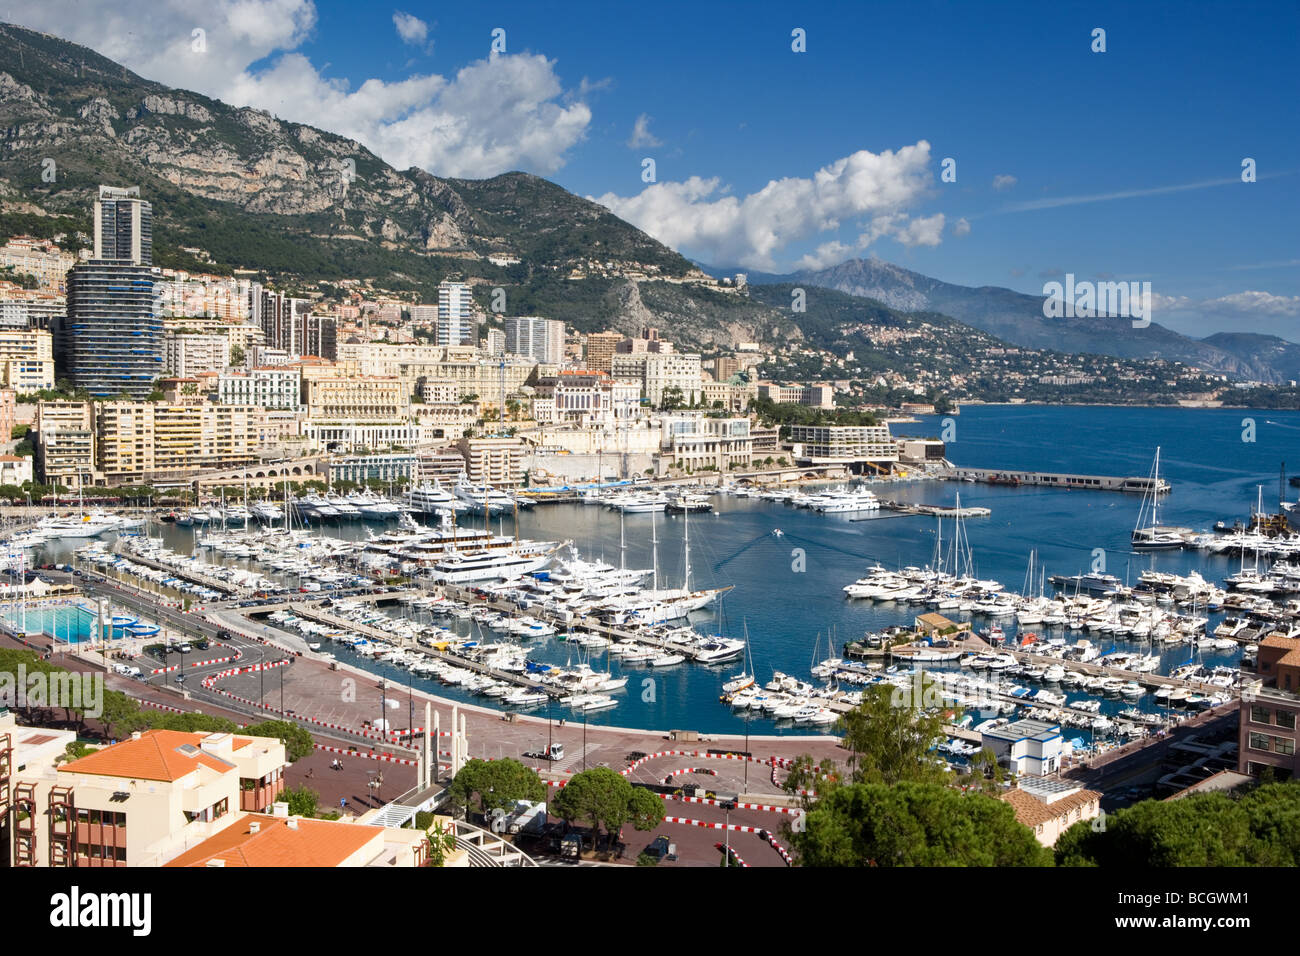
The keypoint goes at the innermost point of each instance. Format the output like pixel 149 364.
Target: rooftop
pixel 1031 810
pixel 155 755
pixel 261 840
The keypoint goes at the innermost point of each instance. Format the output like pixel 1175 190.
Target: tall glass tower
pixel 112 338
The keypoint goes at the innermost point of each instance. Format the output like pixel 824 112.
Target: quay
pixel 1047 479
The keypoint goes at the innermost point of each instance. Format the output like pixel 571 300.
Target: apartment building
pixel 648 342
pixel 40 258
pixel 270 386
pixel 541 340
pixel 601 347
pixel 26 359
pixel 186 355
pixel 15 469
pixel 135 441
pixel 363 399
pixel 65 443
pixel 473 372
pixel 847 444
pixel 493 461
pixel 140 802
pixel 455 314
pixel 662 376
pixel 30 308
pixel 1270 706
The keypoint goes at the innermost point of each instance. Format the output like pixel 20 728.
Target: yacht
pixel 430 498
pixel 482 498
pixel 1147 533
pixel 847 502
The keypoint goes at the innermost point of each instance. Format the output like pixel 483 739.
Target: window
pixel 1259 715
pixel 1283 745
pixel 1286 718
pixel 1259 741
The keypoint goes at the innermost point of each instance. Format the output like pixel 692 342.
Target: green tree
pixel 237 355
pixel 599 797
pixel 1260 827
pixel 914 824
pixel 891 734
pixel 297 742
pixel 497 784
pixel 303 801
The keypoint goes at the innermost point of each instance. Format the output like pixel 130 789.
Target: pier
pixel 1047 479
pixel 903 508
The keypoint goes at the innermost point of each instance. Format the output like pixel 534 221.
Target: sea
pixel 786 567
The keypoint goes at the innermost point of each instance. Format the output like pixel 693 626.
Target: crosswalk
pixel 576 758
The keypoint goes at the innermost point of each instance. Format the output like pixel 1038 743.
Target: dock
pixel 1049 479
pixel 935 511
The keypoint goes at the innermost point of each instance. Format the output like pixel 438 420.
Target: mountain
pixel 1278 354
pixel 1018 318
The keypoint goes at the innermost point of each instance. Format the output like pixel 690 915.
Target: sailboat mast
pixel 686 558
pixel 654 547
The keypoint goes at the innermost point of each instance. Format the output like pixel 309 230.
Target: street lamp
pixel 727 806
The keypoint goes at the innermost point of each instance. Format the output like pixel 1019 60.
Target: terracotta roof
pixel 1290 645
pixel 1031 811
pixel 156 755
pixel 313 843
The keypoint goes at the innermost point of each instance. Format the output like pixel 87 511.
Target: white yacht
pixel 847 502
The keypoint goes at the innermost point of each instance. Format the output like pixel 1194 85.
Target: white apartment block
pixel 186 355
pixel 541 340
pixel 455 314
pixel 266 386
pixel 829 444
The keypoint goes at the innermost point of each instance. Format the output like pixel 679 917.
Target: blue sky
pixel 739 126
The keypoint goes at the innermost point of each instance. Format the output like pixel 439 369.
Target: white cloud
pixel 1259 303
pixel 410 28
pixel 507 112
pixel 1004 182
pixel 641 135
pixel 961 227
pixel 697 216
pixel 922 232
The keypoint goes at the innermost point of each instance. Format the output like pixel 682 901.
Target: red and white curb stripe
pixel 793 811
pixel 678 773
pixel 371 755
pixel 722 847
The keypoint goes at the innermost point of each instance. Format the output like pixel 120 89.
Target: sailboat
pixel 1150 536
pixel 746 676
